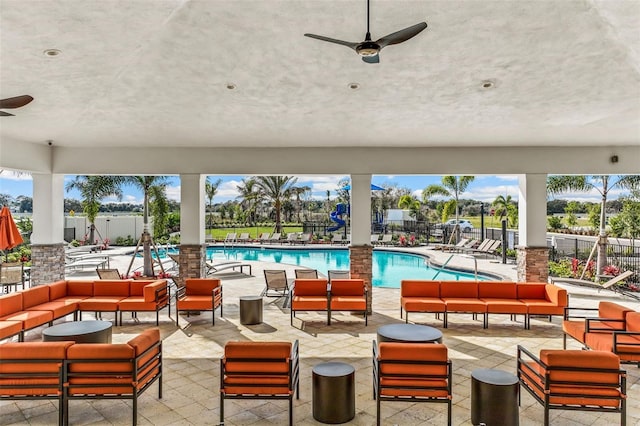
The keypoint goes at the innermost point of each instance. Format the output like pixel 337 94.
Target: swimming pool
pixel 389 267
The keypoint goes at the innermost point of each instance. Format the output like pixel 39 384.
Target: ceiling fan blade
pixel 333 40
pixel 402 35
pixel 15 102
pixel 5 114
pixel 375 59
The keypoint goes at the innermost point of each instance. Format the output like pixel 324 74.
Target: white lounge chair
pixel 274 238
pixel 374 239
pixel 230 238
pixel 215 268
pixel 244 237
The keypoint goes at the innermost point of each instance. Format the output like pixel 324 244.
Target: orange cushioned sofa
pixel 319 295
pixel 45 303
pixel 68 371
pixel 481 298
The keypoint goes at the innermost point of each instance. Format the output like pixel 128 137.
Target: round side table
pixel 409 333
pixel 334 392
pixel 250 310
pixel 79 332
pixel 494 398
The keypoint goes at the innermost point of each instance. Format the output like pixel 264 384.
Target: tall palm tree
pixel 603 184
pixel 211 189
pixel 505 206
pixel 276 189
pixel 411 203
pixel 153 188
pixel 452 186
pixel 248 197
pixel 92 190
pixel 297 192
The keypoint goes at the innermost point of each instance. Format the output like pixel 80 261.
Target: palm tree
pixel 505 206
pixel 153 189
pixel 211 189
pixel 276 189
pixel 297 192
pixel 411 203
pixel 603 185
pixel 452 186
pixel 92 190
pixel 248 196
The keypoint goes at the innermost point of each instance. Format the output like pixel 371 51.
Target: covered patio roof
pixel 229 87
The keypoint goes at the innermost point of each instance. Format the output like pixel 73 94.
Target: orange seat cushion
pixel 100 304
pixel 309 303
pixel 505 306
pixel 10 328
pixel 59 308
pixel 30 319
pixel 465 305
pixel 348 303
pixel 197 303
pixel 422 304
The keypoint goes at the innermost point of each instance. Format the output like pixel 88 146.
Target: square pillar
pixel 193 254
pixel 533 264
pixel 361 265
pixel 533 253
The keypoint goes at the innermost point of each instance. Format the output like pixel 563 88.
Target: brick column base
pixel 47 263
pixel 361 265
pixel 533 264
pixel 192 261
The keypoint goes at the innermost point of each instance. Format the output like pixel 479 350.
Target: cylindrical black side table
pixel 334 392
pixel 494 398
pixel 250 310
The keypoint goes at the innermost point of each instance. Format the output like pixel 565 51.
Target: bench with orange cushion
pixel 259 370
pixel 310 294
pixel 606 318
pixel 624 343
pixel 574 380
pixel 348 295
pixel 484 297
pixel 145 296
pixel 33 370
pixel 114 371
pixel 199 294
pixel 11 309
pixel 412 372
pixel 106 296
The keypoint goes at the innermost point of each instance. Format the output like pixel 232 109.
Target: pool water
pixel 389 268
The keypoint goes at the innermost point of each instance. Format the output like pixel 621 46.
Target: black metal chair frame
pixel 162 301
pixel 181 292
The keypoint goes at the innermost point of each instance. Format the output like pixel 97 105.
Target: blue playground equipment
pixel 335 216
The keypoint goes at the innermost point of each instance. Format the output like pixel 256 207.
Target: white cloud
pixel 173 193
pixel 10 175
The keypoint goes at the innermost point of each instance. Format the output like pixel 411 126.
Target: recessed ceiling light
pixel 231 86
pixel 52 53
pixel 488 84
pixel 354 86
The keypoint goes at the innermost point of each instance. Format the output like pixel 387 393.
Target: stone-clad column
pixel 533 254
pixel 47 246
pixel 193 253
pixel 360 250
pixel 361 265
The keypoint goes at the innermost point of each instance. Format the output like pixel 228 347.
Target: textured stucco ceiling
pixel 155 73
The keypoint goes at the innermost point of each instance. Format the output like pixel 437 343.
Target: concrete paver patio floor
pixel 191 364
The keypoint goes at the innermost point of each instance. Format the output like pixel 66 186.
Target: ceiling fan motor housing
pixel 368 48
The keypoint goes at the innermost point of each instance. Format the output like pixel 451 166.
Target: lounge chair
pixel 11 274
pixel 263 237
pixel 275 238
pixel 277 284
pixel 306 273
pixel 292 237
pixel 337 239
pixel 108 274
pixel 375 238
pixel 489 248
pixel 464 242
pixel 386 240
pixel 304 239
pixel 87 263
pixel 244 237
pixel 230 238
pixel 215 268
pixel 338 274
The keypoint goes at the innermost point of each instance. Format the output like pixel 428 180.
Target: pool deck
pixel 192 353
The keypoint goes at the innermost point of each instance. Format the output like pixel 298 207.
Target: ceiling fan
pixel 15 102
pixel 369 49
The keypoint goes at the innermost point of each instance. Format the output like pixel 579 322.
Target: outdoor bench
pixel 481 298
pixel 24 310
pixel 318 295
pixel 68 371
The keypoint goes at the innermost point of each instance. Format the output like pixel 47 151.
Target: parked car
pixel 465 225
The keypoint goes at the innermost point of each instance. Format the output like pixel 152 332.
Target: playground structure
pixel 342 212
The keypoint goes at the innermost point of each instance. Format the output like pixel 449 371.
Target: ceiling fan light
pixel 51 53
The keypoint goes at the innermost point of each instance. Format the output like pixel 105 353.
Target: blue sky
pixel 483 188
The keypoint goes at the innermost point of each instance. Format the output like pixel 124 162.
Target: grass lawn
pixel 219 234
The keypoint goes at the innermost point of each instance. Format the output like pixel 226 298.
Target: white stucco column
pixel 192 208
pixel 192 249
pixel 48 209
pixel 533 254
pixel 360 210
pixel 47 238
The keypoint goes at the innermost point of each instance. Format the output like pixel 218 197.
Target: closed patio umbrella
pixel 9 232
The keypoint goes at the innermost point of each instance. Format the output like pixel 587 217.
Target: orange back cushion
pixel 583 359
pixel 80 288
pixel 612 310
pixel 98 351
pixel 32 350
pixel 350 287
pixel 497 290
pixel 244 352
pixel 144 341
pixel 34 296
pixel 136 287
pixel 201 286
pixel 633 321
pixel 57 290
pixel 460 289
pixel 531 291
pixel 10 303
pixel 311 287
pixel 397 353
pixel 119 288
pixel 419 288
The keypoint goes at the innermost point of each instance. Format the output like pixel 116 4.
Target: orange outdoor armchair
pixel 199 294
pixel 310 295
pixel 574 380
pixel 348 295
pixel 411 372
pixel 259 370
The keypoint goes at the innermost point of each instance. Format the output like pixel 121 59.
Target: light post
pixel 108 220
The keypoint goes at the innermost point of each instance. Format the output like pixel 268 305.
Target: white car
pixel 465 225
